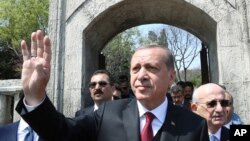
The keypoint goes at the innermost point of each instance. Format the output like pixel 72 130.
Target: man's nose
pixel 218 106
pixel 97 86
pixel 142 74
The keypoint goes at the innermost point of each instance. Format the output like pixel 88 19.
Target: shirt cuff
pixel 31 108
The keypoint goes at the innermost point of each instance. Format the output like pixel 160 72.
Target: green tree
pixel 18 18
pixel 119 51
pixel 162 39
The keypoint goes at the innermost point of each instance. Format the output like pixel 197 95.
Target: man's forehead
pixel 142 58
pixel 212 96
pixel 98 76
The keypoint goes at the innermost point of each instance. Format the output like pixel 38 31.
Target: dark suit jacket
pixel 113 121
pixel 85 111
pixel 9 132
pixel 187 104
pixel 224 134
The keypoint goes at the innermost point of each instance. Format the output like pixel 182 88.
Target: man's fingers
pixel 25 51
pixel 40 45
pixel 33 44
pixel 47 49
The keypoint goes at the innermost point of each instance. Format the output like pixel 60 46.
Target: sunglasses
pixel 213 103
pixel 101 84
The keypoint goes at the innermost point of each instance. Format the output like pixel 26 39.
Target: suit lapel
pixel 224 134
pixel 131 123
pixel 169 127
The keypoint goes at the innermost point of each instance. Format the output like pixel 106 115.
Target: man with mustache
pixel 101 90
pixel 149 116
pixel 209 102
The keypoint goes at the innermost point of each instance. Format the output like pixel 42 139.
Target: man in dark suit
pixel 16 132
pixel 150 115
pixel 101 90
pixel 209 101
pixel 178 97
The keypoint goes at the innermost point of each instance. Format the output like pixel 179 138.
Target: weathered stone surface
pixel 10 91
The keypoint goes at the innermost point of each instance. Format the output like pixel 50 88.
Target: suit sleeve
pixel 53 126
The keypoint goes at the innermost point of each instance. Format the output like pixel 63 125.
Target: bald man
pixel 210 103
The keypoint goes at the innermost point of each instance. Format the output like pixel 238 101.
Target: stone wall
pixel 10 91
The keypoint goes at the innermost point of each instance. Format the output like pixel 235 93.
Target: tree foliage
pixel 19 18
pixel 118 52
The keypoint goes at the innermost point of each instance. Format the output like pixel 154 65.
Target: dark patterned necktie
pixel 147 132
pixel 29 136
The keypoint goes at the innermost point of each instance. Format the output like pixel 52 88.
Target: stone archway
pixel 80 29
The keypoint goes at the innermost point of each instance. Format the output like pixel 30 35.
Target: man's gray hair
pixel 169 56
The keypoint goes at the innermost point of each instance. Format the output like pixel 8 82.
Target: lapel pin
pixel 172 123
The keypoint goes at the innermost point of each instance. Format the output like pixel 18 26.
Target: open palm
pixel 36 67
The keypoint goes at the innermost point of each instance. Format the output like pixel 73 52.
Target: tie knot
pixel 28 129
pixel 29 136
pixel 149 117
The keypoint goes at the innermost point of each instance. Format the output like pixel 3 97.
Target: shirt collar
pixel 217 134
pixel 22 126
pixel 159 112
pixel 95 107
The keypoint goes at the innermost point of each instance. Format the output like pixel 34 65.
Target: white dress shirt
pixel 21 132
pixel 217 134
pixel 159 112
pixel 95 107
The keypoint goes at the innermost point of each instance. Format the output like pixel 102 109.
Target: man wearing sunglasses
pixel 209 102
pixel 147 117
pixel 101 90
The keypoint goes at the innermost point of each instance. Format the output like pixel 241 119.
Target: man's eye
pixel 152 69
pixel 135 69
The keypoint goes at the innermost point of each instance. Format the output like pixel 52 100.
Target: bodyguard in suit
pixel 148 117
pixel 101 90
pixel 17 131
pixel 209 101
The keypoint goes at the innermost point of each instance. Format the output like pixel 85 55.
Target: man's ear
pixel 112 88
pixel 172 76
pixel 193 106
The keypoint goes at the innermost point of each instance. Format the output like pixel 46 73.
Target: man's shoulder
pixel 85 111
pixel 117 106
pixel 185 114
pixel 120 103
pixel 9 127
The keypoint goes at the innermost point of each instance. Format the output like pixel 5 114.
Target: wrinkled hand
pixel 36 67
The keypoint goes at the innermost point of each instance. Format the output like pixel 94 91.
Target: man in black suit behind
pixel 101 90
pixel 152 72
